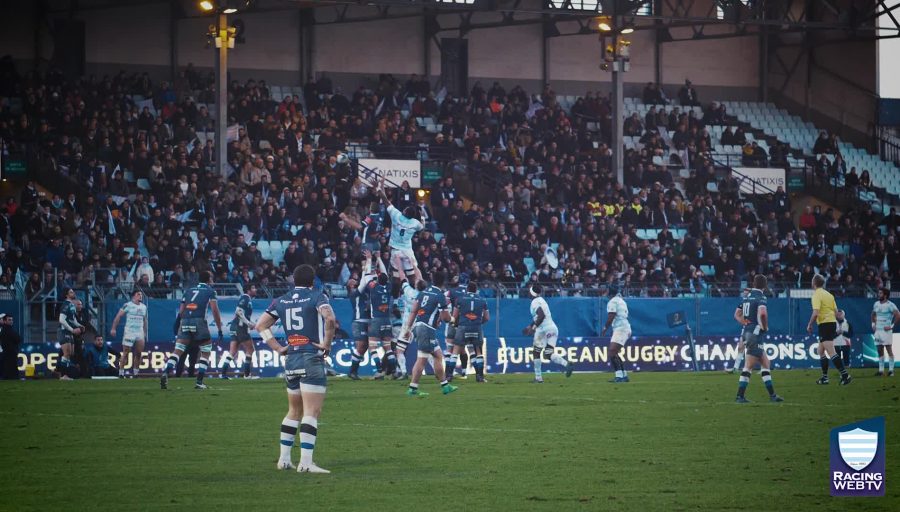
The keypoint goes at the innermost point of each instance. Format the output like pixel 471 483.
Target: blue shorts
pixel 425 338
pixel 304 372
pixel 66 337
pixel 241 334
pixel 753 343
pixel 194 329
pixel 381 328
pixel 372 247
pixel 360 330
pixel 468 335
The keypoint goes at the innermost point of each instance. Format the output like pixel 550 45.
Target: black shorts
pixel 827 331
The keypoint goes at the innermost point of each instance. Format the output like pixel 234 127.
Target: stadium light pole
pixel 222 40
pixel 616 60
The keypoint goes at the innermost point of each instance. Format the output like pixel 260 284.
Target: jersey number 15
pixel 293 318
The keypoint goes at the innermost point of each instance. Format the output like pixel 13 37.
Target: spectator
pixel 688 95
pixel 96 358
pixel 10 343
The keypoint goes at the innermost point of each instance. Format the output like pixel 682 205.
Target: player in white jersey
pixel 545 335
pixel 617 318
pixel 135 335
pixel 884 315
pixel 404 226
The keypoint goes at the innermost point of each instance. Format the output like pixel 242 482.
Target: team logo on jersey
pixel 471 316
pixel 296 340
pixel 857 459
pixel 191 306
pixel 383 308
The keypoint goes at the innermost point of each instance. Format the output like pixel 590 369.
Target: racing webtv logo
pixel 857 459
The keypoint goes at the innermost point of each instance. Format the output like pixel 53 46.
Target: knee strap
pixel 548 351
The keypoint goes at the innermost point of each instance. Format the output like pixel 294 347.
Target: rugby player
pixel 470 313
pixel 309 325
pixel 753 315
pixel 545 334
pixel 884 316
pixel 617 318
pixel 135 335
pixel 240 335
pixel 429 309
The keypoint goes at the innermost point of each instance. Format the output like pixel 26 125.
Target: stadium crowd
pixel 548 169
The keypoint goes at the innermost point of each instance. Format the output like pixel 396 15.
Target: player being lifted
pixel 823 314
pixel 69 327
pixel 192 326
pixel 359 299
pixel 462 357
pixel 429 309
pixel 740 349
pixel 240 335
pixel 617 317
pixel 545 334
pixel 380 330
pixel 753 315
pixel 309 324
pixel 470 314
pixel 135 335
pixel 404 226
pixel 884 315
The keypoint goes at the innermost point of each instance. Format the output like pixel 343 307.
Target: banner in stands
pixel 766 179
pixel 396 171
pixel 514 355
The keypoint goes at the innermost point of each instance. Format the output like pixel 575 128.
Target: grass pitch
pixel 666 441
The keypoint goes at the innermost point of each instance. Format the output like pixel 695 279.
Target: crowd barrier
pixel 654 347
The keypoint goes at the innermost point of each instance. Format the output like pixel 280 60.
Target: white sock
pixel 227 359
pixel 738 360
pixel 558 359
pixel 121 372
pixel 288 431
pixel 880 364
pixel 308 432
pixel 891 364
pixel 401 362
pixel 537 367
pixel 620 374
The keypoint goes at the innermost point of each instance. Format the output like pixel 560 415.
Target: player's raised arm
pixel 379 190
pixel 350 221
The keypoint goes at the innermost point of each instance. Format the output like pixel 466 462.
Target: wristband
pixel 266 334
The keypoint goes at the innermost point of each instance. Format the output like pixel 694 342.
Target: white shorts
pixel 620 336
pixel 129 338
pixel 546 337
pixel 883 337
pixel 403 259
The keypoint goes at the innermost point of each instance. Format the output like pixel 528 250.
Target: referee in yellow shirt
pixel 823 314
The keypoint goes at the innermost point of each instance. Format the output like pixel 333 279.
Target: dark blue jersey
pixel 456 293
pixel 750 308
pixel 360 302
pixel 246 306
pixel 431 302
pixel 379 299
pixel 70 313
pixel 373 226
pixel 471 309
pixel 196 300
pixel 298 311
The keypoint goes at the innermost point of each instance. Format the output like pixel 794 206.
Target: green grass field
pixel 666 441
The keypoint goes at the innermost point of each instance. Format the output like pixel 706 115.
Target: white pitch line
pixel 439 427
pixel 692 404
